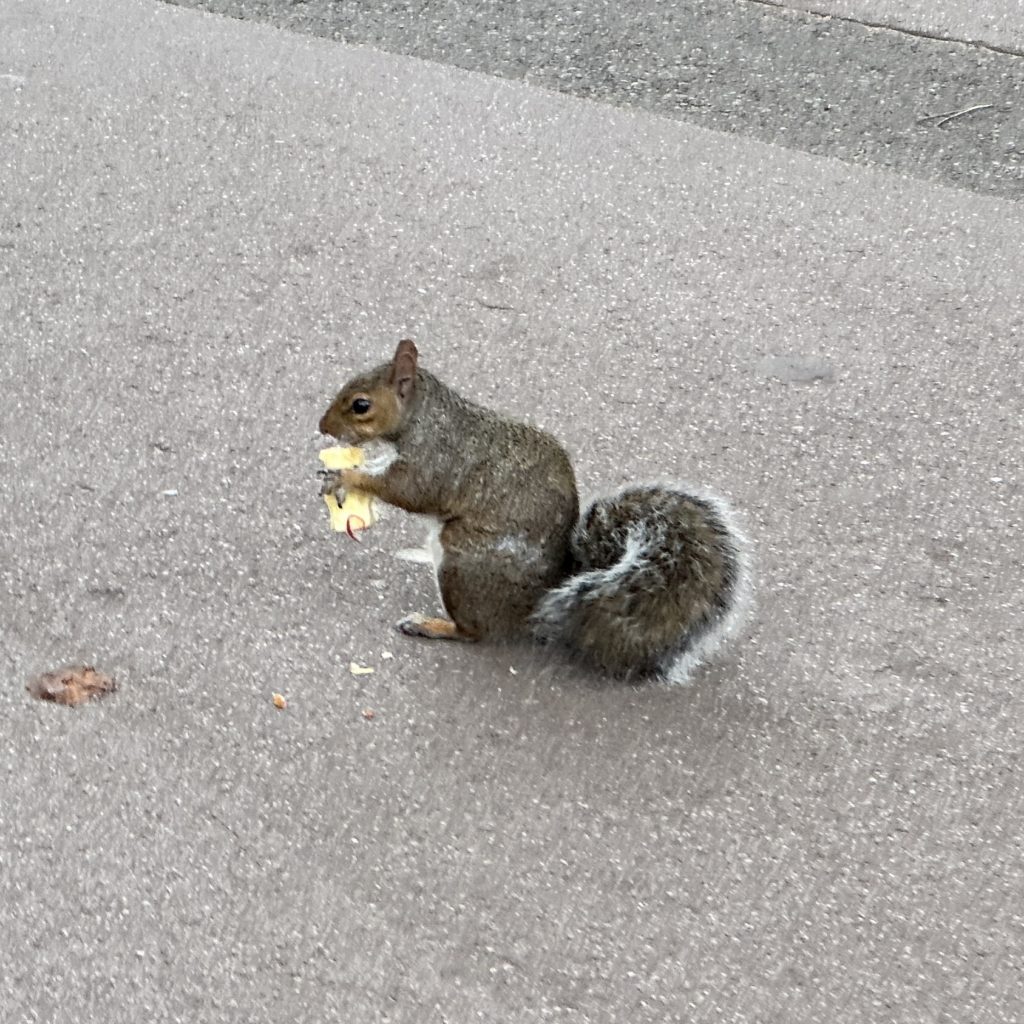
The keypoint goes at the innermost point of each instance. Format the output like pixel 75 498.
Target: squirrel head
pixel 374 404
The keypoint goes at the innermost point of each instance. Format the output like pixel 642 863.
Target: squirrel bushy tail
pixel 660 579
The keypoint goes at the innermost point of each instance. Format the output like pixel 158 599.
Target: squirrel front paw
pixel 340 481
pixel 332 481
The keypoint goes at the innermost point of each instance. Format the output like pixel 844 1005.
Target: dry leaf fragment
pixel 279 701
pixel 359 670
pixel 71 686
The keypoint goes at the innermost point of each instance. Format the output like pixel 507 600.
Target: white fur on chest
pixel 378 457
pixel 431 552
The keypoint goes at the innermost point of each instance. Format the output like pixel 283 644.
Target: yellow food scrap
pixel 279 701
pixel 359 670
pixel 341 458
pixel 358 510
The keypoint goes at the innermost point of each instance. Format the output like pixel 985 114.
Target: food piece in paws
pixel 356 511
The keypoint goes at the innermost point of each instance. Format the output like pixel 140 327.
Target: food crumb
pixel 279 701
pixel 359 670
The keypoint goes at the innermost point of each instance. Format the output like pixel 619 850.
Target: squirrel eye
pixel 361 406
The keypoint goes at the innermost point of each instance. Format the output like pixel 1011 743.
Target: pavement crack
pixel 941 119
pixel 902 30
pixel 220 821
pixel 494 305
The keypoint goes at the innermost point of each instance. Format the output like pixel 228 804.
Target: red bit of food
pixel 353 525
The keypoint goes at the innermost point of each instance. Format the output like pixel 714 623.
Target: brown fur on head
pixel 373 404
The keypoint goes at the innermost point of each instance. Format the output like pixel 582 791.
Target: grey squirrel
pixel 644 582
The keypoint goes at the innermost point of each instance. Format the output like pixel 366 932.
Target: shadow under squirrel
pixel 645 582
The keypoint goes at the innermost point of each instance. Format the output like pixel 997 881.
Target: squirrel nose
pixel 324 428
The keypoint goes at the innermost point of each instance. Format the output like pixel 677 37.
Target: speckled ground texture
pixel 207 224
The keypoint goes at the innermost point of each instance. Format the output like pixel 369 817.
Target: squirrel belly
pixel 660 580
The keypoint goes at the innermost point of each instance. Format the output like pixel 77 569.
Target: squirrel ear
pixel 403 369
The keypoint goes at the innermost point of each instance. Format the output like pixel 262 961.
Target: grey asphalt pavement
pixel 206 225
pixel 863 94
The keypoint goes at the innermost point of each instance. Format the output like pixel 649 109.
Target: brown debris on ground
pixel 72 686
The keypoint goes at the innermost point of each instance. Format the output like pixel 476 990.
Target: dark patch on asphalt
pixel 837 88
pixel 796 369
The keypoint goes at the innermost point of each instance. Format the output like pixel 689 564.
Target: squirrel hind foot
pixel 431 628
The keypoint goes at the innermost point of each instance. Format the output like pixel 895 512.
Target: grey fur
pixel 661 579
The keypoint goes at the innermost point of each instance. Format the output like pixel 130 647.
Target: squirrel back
pixel 647 581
